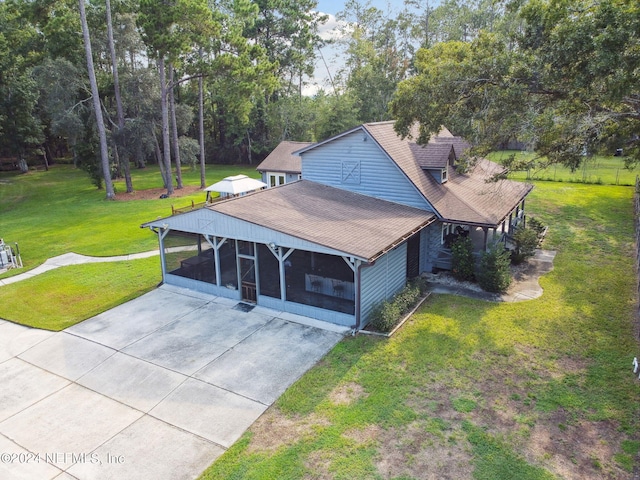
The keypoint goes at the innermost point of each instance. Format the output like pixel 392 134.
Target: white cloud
pixel 333 29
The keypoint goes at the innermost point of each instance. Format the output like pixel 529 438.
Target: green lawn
pixel 55 212
pixel 469 389
pixel 597 169
pixel 59 211
pixel 466 389
pixel 60 298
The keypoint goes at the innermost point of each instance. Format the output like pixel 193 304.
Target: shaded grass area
pixel 63 297
pixel 59 211
pixel 599 169
pixel 470 389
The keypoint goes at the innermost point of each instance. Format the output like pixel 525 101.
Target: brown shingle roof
pixel 464 198
pixel 432 155
pixel 282 160
pixel 459 143
pixel 349 222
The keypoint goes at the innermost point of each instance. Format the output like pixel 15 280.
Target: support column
pixel 163 264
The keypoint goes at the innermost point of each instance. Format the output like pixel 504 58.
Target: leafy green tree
pixel 565 83
pixel 239 78
pixel 20 128
pixel 117 94
pixel 335 114
pixel 61 106
pixel 288 32
pixel 171 29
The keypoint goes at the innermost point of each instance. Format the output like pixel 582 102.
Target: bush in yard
pixel 493 273
pixel 420 283
pixel 462 263
pixel 536 225
pixel 387 314
pixel 526 240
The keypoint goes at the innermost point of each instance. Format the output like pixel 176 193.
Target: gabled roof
pixel 459 143
pixel 356 224
pixel 281 159
pixel 433 155
pixel 470 198
pixel 466 198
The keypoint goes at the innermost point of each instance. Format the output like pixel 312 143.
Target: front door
pixel 248 279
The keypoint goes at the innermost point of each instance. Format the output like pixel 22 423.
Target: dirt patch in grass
pixel 581 451
pixel 318 463
pixel 274 430
pixel 415 452
pixel 364 435
pixel 154 193
pixel 346 394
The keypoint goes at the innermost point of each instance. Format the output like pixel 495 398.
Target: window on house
pixel 444 175
pixel 276 179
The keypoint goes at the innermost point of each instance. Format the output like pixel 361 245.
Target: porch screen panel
pixel 269 272
pixel 189 255
pixel 228 265
pixel 320 280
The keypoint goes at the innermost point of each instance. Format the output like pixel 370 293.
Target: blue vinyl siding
pixel 289 177
pixel 382 280
pixel 351 163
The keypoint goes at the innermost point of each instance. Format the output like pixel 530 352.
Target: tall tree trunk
pixel 201 128
pixel 48 158
pixel 166 144
pixel 160 160
pixel 140 160
pixel 102 134
pixel 116 157
pixel 120 111
pixel 174 128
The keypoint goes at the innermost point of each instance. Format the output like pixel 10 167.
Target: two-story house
pixel 371 210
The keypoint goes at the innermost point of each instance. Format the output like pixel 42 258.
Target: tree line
pixel 175 83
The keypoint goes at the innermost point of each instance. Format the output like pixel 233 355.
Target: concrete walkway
pixel 71 258
pixel 156 388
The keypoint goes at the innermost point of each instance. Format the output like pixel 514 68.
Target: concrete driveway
pixel 157 388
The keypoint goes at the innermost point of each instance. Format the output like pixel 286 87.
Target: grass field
pixel 595 170
pixel 466 390
pixel 469 389
pixel 59 211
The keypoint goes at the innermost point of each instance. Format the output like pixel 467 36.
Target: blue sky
pixel 334 6
pixel 331 54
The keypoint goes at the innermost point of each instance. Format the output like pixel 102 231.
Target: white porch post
pixel 216 243
pixel 163 264
pixel 278 252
